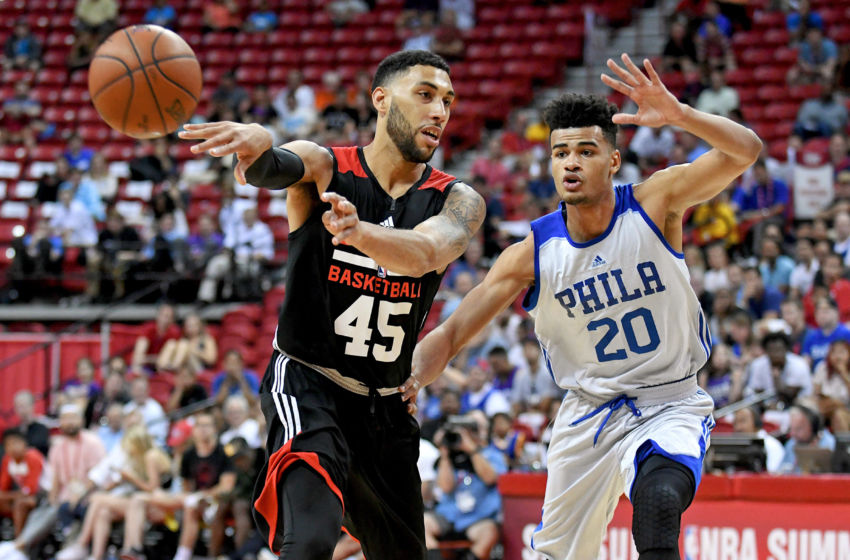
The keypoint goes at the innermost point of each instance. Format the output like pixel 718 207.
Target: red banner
pixel 743 517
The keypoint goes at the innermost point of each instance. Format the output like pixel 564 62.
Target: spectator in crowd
pixel 816 60
pixel 714 52
pixel 761 301
pixel 48 183
pixel 136 465
pixel 207 475
pixel 503 371
pixel 20 478
pixel 22 49
pixel 802 18
pixel 96 16
pixel 38 258
pixel 817 342
pixel 187 391
pixel 228 95
pixel 161 13
pixel 792 314
pixel 780 372
pixel 715 221
pixel 680 51
pixel 723 376
pixel 533 386
pixel 110 428
pixel 805 268
pixel 829 283
pixel 447 38
pixel 718 99
pixel 78 155
pixel 304 96
pixel 805 429
pixel 239 422
pixel 221 15
pixel 19 119
pixel 748 421
pixel 86 193
pixel 841 244
pixel 653 146
pixel 839 156
pixel 823 115
pixel 298 120
pixel 711 13
pixel 98 176
pixel 338 118
pixel 116 254
pixel 235 379
pixel 204 244
pixel 481 395
pixel 195 348
pixel 342 12
pixel 261 20
pixel 768 197
pixel 491 168
pixel 237 504
pixel 467 473
pixel 722 307
pixel 82 387
pixel 82 50
pixel 449 406
pixel 153 416
pixel 464 11
pixel 152 162
pixel 37 434
pixel 716 275
pixel 249 247
pixel 72 454
pixel 831 382
pixel 114 392
pixel 417 33
pixel 775 267
pixel 326 94
pixel 152 339
pixel 692 147
pixel 506 439
pixel 464 281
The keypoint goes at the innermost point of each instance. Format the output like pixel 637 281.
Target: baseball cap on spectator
pixel 180 432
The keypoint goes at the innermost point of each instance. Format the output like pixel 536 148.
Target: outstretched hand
pixel 246 141
pixel 341 220
pixel 656 105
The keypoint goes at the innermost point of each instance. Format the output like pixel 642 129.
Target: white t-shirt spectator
pixel 77 220
pixel 246 241
pixel 463 9
pixel 249 429
pixel 718 102
pixel 488 400
pixel 649 142
pixel 802 277
pixel 795 374
pixel 153 416
pixel 715 280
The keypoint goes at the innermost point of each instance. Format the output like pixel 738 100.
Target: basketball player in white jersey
pixel 618 322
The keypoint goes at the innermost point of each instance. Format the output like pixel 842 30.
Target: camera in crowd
pixel 452 427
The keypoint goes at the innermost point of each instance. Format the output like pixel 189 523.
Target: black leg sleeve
pixel 312 516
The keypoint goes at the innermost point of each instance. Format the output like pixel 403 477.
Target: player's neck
pixel 394 173
pixel 588 221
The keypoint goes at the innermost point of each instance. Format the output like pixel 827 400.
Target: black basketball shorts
pixel 365 448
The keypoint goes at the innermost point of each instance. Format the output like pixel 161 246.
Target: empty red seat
pixel 780 111
pixel 352 55
pixel 785 55
pixel 768 20
pixel 75 95
pixel 346 36
pixel 755 57
pixel 55 76
pixel 294 19
pixel 251 74
pixel 320 55
pixel 738 77
pixel 803 92
pixel 772 92
pixel 283 38
pixel 93 133
pixel 747 39
pixel 776 37
pixel 769 74
pixel 221 57
pixel 374 35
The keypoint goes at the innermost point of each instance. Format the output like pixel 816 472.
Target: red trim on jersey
pixel 348 160
pixel 355 539
pixel 267 503
pixel 438 180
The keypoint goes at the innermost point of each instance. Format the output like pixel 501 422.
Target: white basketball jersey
pixel 616 314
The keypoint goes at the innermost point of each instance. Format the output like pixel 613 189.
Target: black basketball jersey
pixel 341 310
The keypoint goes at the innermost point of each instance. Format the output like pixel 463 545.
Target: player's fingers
pixel 624 118
pixel 212 142
pixel 331 197
pixel 201 130
pixel 622 73
pixel 411 409
pixel 650 69
pixel 617 85
pixel 632 67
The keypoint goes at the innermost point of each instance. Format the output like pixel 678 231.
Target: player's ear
pixel 381 100
pixel 616 160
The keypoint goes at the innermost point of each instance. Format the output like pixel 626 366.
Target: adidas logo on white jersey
pixel 388 223
pixel 597 261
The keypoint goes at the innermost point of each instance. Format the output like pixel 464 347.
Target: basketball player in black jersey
pixel 371 231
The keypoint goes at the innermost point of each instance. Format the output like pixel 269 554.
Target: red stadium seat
pixel 294 19
pixel 747 39
pixel 484 70
pixel 283 38
pixel 54 59
pixel 345 36
pixel 768 20
pixel 772 92
pixel 528 13
pixel 780 111
pixel 756 57
pixel 494 15
pixel 221 57
pixel 739 76
pixel 752 112
pixel 320 55
pixel 87 114
pixel 786 55
pixel 45 152
pixel 93 133
pixel 288 57
pixel 375 35
pixel 803 92
pixel 481 52
pixel 352 55
pixel 51 76
pixel 776 37
pixel 75 96
pixel 249 40
pixel 12 153
pixel 769 74
pixel 251 74
pixel 312 37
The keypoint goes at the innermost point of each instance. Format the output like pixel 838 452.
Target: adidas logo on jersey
pixel 597 261
pixel 388 223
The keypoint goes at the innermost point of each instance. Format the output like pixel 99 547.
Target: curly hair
pixel 578 110
pixel 398 63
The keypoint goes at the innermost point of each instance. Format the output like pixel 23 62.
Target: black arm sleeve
pixel 277 168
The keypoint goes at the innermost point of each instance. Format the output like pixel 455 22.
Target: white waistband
pixel 648 396
pixel 347 383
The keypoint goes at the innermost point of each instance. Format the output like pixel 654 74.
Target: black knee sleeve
pixel 312 516
pixel 663 489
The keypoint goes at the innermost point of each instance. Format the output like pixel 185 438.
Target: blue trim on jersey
pixel 619 208
pixel 543 229
pixel 537 529
pixel 635 205
pixel 548 364
pixel 701 330
pixel 694 464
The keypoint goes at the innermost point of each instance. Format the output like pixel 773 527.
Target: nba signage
pixel 794 523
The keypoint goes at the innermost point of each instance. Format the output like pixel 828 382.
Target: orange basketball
pixel 145 81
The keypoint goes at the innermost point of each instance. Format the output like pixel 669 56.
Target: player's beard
pixel 403 135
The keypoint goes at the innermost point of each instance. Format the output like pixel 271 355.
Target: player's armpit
pixel 451 229
pixel 510 275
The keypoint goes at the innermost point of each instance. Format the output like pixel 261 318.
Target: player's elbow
pixel 752 146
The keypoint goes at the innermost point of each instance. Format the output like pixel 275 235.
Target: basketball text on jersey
pixel 588 294
pixel 374 282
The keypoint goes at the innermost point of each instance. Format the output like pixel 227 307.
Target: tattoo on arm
pixel 465 210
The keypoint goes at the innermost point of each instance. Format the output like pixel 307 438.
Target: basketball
pixel 145 81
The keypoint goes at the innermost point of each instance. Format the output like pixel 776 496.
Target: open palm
pixel 656 105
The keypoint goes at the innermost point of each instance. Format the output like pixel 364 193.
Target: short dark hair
pixel 13 432
pixel 577 110
pixel 497 351
pixel 777 336
pixel 398 63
